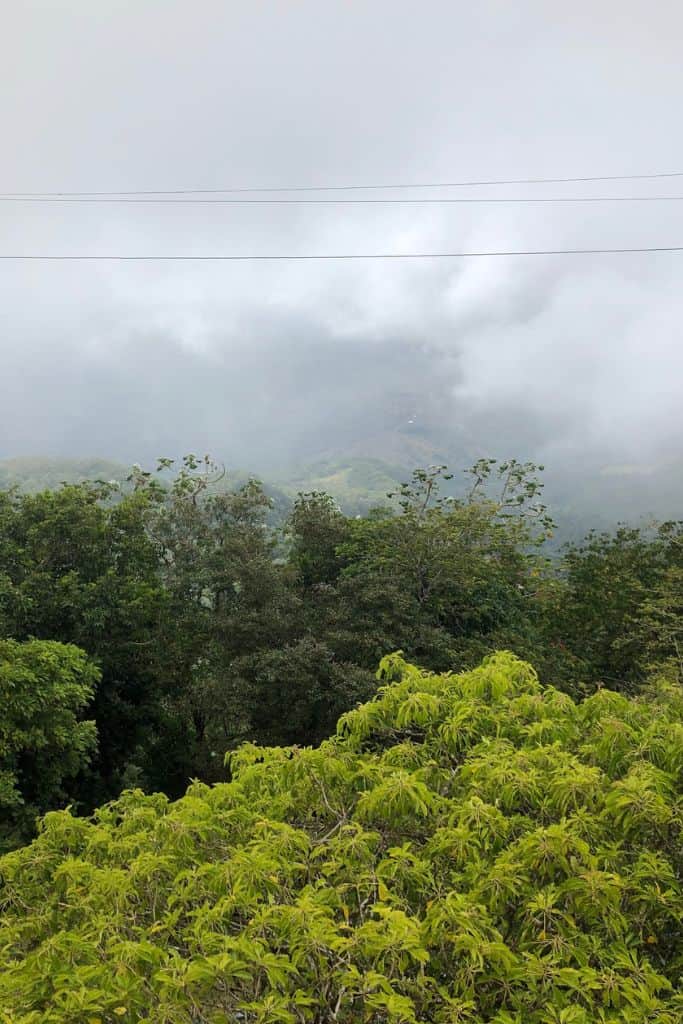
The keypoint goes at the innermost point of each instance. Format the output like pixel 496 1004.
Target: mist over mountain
pixel 574 361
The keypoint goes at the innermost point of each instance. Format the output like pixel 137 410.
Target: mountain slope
pixel 36 473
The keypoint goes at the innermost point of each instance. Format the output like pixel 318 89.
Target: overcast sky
pixel 260 362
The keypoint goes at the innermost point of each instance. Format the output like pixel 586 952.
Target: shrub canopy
pixel 467 848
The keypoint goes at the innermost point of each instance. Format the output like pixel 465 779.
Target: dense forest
pixel 494 843
pixel 147 626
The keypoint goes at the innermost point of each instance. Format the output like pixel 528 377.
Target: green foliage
pixel 616 614
pixel 317 530
pixel 659 626
pixel 356 484
pixel 211 625
pixel 446 580
pixel 44 688
pixel 78 565
pixel 470 847
pixel 240 656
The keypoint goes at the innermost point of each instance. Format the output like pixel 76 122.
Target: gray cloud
pixel 554 357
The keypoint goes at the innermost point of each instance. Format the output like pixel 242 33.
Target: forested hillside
pixel 580 494
pixel 31 474
pixel 151 626
pixel 496 845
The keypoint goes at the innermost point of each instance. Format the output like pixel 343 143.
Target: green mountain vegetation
pixel 581 496
pixel 37 473
pixel 472 847
pixel 478 842
pixel 357 484
pixel 211 622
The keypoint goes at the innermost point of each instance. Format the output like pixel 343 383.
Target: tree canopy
pixel 44 741
pixel 471 847
pixel 213 619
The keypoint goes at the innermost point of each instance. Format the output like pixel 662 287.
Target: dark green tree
pixel 45 688
pixel 444 579
pixel 603 623
pixel 78 565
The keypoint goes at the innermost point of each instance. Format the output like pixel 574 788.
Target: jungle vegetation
pixel 470 847
pixel 214 809
pixel 148 626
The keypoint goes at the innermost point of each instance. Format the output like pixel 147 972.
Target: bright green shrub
pixel 467 848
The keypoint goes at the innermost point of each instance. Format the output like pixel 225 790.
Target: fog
pixel 573 359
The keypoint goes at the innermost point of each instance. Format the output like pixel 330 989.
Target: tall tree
pixel 78 565
pixel 605 623
pixel 45 688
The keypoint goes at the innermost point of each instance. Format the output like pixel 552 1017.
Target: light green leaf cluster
pixel 468 848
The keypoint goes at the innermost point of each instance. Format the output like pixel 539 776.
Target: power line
pixel 434 200
pixel 348 256
pixel 347 188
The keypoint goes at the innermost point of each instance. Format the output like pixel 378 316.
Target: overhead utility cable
pixel 353 187
pixel 347 256
pixel 391 201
